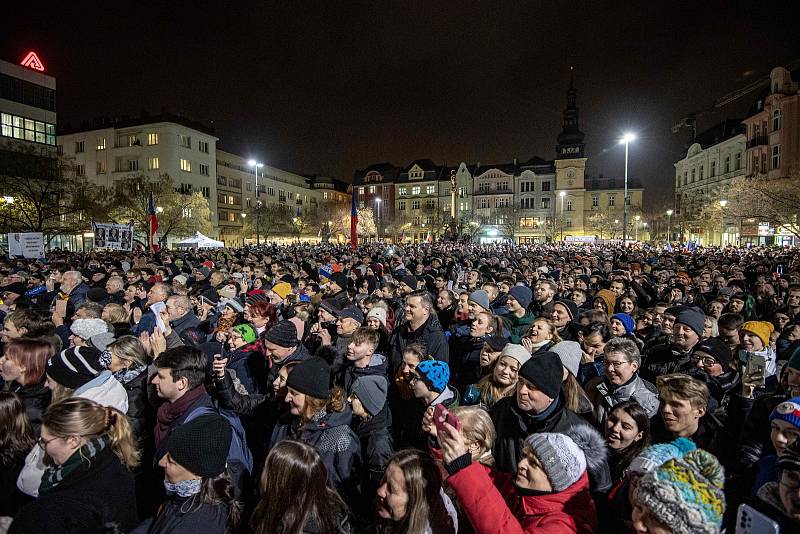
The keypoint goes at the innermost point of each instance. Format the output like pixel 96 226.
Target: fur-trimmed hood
pixel 593 446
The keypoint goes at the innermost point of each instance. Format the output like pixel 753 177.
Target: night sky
pixel 331 87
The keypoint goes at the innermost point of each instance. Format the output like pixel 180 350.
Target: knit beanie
pixel 325 271
pixel 497 343
pixel 202 445
pixel 283 334
pixel 788 411
pixel 685 493
pixel 435 374
pixel 692 317
pixel 246 331
pixel 716 348
pixel 626 320
pixel 379 314
pixel 86 328
pixel 570 306
pixel 522 294
pixel 762 329
pixel 352 312
pixel 282 289
pixel 655 455
pixel 311 377
pixel 570 353
pixel 607 296
pixel 101 341
pixel 545 372
pixel 256 295
pixel 340 279
pixel 481 298
pixel 409 280
pixel 75 366
pixel 371 391
pixel 562 460
pixel 235 305
pixel 518 352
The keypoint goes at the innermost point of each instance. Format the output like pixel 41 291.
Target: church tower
pixel 570 164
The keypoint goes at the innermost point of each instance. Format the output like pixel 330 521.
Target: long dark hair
pixel 220 490
pixel 294 493
pixel 16 439
pixel 637 413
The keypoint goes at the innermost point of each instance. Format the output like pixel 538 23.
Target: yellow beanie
pixel 282 289
pixel 760 328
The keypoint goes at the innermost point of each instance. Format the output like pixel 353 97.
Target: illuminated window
pixel 325 195
pixel 101 167
pixel 186 165
pixel 101 143
pixel 402 191
pixel 430 190
pixel 360 190
pixel 153 163
pixel 416 190
pixel 152 138
pixel 371 189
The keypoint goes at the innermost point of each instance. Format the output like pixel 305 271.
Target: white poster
pixel 113 236
pixel 27 245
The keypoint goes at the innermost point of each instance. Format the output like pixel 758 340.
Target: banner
pixel 27 245
pixel 113 236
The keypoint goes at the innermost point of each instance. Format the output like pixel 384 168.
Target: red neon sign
pixel 32 61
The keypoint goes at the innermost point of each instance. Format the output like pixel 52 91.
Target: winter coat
pixel 518 326
pixel 378 366
pixel 300 354
pixel 177 516
pixel 663 360
pixel 330 434
pixel 513 426
pixel 710 435
pixel 103 389
pixel 768 502
pixel 499 508
pixel 87 501
pixel 605 396
pixel 35 398
pixel 465 364
pixel 190 320
pixel 250 367
pixel 141 414
pixel 11 498
pixel 430 334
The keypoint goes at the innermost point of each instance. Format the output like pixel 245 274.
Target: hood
pixel 593 446
pixel 330 420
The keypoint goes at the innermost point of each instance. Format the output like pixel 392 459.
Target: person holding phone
pixel 756 356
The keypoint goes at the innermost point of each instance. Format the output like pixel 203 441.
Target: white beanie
pixel 379 314
pixel 570 353
pixel 518 352
pixel 86 328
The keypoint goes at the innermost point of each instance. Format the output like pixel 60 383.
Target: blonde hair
pixel 554 337
pixel 115 313
pixel 85 418
pixel 129 348
pixel 477 426
pixel 683 387
pixel 574 395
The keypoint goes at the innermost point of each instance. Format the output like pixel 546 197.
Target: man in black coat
pixel 538 406
pixel 421 326
pixel 675 357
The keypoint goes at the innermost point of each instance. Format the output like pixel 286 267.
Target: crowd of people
pixel 426 388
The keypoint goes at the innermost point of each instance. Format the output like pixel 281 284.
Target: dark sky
pixel 330 87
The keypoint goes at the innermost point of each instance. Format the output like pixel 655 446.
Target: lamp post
pixel 722 204
pixel 255 164
pixel 378 221
pixel 626 140
pixel 636 228
pixel 616 223
pixel 669 225
pixel 644 226
pixel 562 194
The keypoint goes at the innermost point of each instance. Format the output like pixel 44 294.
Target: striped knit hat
pixel 788 411
pixel 685 493
pixel 75 366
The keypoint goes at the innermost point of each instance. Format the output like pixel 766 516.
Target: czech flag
pixel 353 222
pixel 151 213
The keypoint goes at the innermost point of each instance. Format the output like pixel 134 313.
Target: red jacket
pixel 496 508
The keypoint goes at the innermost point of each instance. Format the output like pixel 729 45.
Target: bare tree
pixel 776 201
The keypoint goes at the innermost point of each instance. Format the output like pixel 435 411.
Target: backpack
pixel 239 452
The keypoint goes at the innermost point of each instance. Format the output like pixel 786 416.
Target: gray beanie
pixel 692 317
pixel 481 298
pixel 518 352
pixel 371 391
pixel 561 458
pixel 86 328
pixel 570 353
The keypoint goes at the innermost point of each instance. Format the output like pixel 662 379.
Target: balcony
pixel 760 140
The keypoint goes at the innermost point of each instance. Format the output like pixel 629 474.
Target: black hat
pixel 74 366
pixel 17 287
pixel 329 305
pixel 352 312
pixel 409 280
pixel 716 348
pixel 340 279
pixel 545 372
pixel 311 377
pixel 96 294
pixel 202 445
pixel 283 334
pixel 210 295
pixel 497 343
pixel 571 307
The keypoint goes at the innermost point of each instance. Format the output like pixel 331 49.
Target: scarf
pixel 184 488
pixel 170 411
pixel 124 375
pixel 80 462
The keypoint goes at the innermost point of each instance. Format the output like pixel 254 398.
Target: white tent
pixel 198 240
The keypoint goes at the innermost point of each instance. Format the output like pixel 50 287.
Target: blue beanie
pixel 788 411
pixel 655 455
pixel 326 271
pixel 626 320
pixel 435 374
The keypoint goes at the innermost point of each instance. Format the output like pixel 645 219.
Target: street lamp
pixel 378 222
pixel 722 204
pixel 255 164
pixel 669 225
pixel 159 209
pixel 626 140
pixel 562 194
pixel 636 228
pixel 8 200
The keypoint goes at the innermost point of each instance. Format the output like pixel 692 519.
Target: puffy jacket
pixel 500 509
pixel 513 426
pixel 35 398
pixel 430 334
pixel 605 396
pixel 140 413
pixel 176 517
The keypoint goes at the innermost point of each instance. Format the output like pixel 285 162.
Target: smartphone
pixel 442 415
pixel 751 521
pixel 756 369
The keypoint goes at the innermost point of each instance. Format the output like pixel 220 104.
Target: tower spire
pixel 570 140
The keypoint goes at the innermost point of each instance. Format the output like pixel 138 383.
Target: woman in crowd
pixel 117 315
pixel 411 499
pixel 16 440
pixel 127 360
pixel 542 335
pixel 200 495
pixel 466 350
pixel 261 315
pixel 293 470
pixel 593 338
pixel 627 432
pixel 501 382
pixel 319 416
pixel 89 486
pixel 627 304
pixel 22 367
pixel 575 398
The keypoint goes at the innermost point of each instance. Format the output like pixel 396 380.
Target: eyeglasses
pixel 43 443
pixel 707 361
pixel 614 365
pixel 413 378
